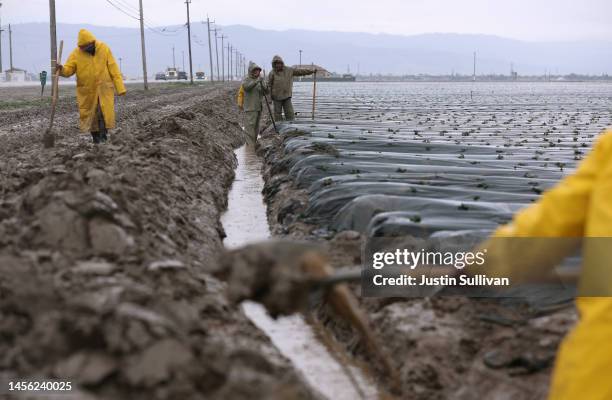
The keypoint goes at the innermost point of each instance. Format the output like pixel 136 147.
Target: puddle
pixel 245 222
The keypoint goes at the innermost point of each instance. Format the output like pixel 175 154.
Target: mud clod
pixel 270 273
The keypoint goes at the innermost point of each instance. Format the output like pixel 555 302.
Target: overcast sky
pixel 533 20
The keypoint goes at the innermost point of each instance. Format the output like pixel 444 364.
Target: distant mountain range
pixel 337 51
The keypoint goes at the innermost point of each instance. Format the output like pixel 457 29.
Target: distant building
pixel 15 75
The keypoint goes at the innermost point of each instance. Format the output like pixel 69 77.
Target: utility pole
pixel 173 59
pixel 217 51
pixel 222 59
pixel 142 45
pixel 11 46
pixel 53 35
pixel 187 2
pixel 1 30
pixel 121 64
pixel 474 76
pixel 237 62
pixel 300 64
pixel 210 50
pixel 229 62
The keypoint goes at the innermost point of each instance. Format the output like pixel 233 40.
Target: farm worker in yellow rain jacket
pixel 579 211
pixel 98 77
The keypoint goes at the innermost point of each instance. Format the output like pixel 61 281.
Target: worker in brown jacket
pixel 254 89
pixel 280 83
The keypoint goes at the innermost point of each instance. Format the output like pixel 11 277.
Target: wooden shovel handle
pixel 56 85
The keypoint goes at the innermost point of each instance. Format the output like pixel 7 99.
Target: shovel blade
pixel 48 139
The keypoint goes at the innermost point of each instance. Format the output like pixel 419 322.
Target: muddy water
pixel 245 222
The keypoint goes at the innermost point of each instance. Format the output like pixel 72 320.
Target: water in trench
pixel 245 222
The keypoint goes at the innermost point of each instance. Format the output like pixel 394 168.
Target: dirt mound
pixel 105 261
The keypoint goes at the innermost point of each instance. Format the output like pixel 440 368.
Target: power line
pixel 162 32
pixel 124 3
pixel 122 10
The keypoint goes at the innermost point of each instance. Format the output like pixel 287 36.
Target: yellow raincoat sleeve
pixel 70 66
pixel 115 73
pixel 240 97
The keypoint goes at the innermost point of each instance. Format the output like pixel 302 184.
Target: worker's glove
pixel 58 67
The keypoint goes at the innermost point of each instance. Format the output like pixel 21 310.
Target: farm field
pixel 117 250
pixel 401 200
pixel 452 157
pixel 425 163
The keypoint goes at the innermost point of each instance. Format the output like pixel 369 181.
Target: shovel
pixel 49 136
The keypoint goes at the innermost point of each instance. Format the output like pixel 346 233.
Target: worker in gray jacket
pixel 254 89
pixel 280 82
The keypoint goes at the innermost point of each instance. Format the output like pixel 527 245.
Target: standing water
pixel 245 222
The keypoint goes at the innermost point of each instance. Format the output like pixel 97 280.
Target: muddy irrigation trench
pixel 325 369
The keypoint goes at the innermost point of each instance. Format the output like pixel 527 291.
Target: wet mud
pixel 108 254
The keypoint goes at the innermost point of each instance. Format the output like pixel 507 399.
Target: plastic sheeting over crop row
pixel 428 159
